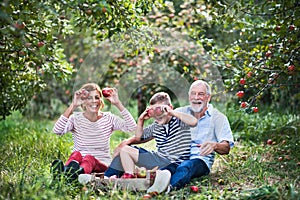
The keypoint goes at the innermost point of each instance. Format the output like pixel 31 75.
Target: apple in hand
pixel 142 172
pixel 106 92
pixel 195 188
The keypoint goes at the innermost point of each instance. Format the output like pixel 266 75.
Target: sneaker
pixel 169 189
pixel 127 176
pixel 85 178
pixel 57 167
pixel 161 182
pixel 72 170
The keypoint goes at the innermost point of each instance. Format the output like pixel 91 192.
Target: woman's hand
pixel 113 98
pixel 79 97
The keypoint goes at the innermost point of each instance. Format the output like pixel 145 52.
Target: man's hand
pixel 207 148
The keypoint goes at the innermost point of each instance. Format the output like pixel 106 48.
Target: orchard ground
pixel 256 167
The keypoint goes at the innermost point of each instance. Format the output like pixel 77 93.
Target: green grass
pixel 252 170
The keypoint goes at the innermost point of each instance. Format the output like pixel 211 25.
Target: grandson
pixel 171 131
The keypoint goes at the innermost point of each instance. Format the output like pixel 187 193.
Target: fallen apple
pixel 142 172
pixel 106 92
pixel 269 142
pixel 195 188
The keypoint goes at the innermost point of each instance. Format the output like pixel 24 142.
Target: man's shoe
pixel 57 167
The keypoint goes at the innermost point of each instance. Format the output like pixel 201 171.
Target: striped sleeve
pixel 63 125
pixel 127 124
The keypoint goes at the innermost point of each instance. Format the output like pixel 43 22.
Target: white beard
pixel 197 109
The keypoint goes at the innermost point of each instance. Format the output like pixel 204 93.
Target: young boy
pixel 171 131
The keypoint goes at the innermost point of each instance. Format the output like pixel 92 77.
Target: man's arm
pixel 207 148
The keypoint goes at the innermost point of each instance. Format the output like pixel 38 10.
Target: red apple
pixel 243 105
pixel 280 158
pixel 243 81
pixel 249 74
pixel 195 188
pixel 268 53
pixel 20 25
pixel 269 142
pixel 292 27
pixel 291 68
pixel 277 28
pixel 40 44
pixel 240 94
pixel 106 92
pixel 67 92
pixel 255 109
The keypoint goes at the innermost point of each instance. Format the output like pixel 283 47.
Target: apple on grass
pixel 194 188
pixel 141 172
pixel 269 142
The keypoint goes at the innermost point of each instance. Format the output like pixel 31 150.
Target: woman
pixel 91 130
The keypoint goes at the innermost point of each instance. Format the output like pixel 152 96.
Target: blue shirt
pixel 213 127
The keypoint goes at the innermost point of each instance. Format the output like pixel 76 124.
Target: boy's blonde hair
pixel 160 97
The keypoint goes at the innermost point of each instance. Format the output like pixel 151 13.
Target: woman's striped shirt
pixel 93 138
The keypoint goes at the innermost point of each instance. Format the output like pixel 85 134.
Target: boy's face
pixel 158 112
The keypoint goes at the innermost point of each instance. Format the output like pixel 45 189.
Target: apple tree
pixel 254 44
pixel 37 39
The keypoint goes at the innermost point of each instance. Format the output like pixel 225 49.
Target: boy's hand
pixel 145 115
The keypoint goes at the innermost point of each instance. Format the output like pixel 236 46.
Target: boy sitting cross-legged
pixel 171 131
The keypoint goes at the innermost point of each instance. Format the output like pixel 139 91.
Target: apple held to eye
pixel 106 92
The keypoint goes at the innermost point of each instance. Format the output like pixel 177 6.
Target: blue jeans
pixel 146 159
pixel 187 170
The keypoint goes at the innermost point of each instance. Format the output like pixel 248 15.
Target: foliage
pixel 33 34
pixel 255 45
pixel 253 169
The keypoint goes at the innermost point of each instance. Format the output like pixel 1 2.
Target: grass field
pixel 253 169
